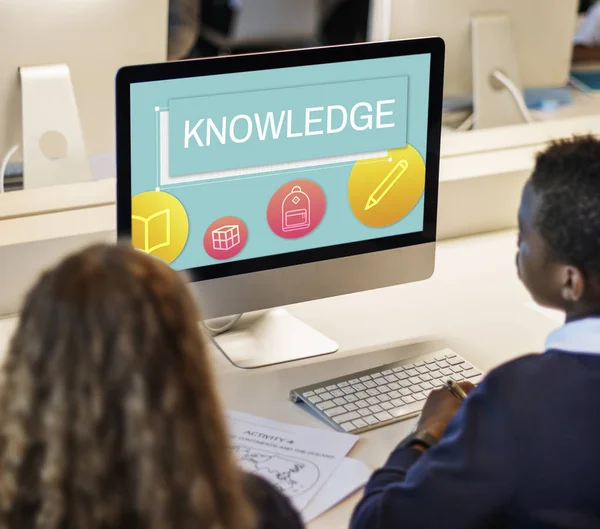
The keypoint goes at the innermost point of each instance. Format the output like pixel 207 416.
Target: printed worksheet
pixel 295 459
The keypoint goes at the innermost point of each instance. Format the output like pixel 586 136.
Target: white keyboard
pixel 377 397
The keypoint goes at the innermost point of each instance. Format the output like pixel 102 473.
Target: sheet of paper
pixel 349 477
pixel 295 459
pixel 555 315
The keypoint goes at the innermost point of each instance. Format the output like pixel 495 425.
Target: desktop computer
pixel 280 178
pixel 495 48
pixel 57 72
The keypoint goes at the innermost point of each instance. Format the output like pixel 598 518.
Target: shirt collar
pixel 580 336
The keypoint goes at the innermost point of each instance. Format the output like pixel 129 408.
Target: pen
pixel 389 181
pixel 456 390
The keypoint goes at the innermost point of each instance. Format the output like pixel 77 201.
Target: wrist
pixel 420 440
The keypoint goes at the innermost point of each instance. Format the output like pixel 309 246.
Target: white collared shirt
pixel 580 336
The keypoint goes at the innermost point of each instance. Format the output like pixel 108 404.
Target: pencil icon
pixel 386 184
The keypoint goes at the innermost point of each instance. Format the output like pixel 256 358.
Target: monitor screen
pixel 279 162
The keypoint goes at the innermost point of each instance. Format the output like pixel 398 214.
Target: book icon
pixel 156 229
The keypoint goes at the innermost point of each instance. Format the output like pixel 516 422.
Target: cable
pixel 220 330
pixel 11 152
pixel 516 94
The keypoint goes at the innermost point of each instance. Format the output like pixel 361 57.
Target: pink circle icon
pixel 296 209
pixel 225 238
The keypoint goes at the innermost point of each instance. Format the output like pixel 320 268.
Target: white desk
pixel 474 303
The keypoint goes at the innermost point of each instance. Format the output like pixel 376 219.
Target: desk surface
pixel 474 303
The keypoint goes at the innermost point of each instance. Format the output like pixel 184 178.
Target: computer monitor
pixel 529 42
pixel 72 51
pixel 280 178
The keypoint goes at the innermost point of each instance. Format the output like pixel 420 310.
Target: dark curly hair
pixel 109 416
pixel 567 180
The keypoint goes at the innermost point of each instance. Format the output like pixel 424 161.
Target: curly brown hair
pixel 109 416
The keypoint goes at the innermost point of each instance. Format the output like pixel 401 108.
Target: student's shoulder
pixel 273 509
pixel 524 372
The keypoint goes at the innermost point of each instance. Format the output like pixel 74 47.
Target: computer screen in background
pixel 288 182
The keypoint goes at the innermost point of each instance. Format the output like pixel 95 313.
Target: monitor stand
pixel 493 50
pixel 272 337
pixel 53 147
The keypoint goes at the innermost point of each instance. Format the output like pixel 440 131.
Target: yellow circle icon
pixel 159 225
pixel 381 191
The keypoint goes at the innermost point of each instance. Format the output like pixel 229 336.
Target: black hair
pixel 567 180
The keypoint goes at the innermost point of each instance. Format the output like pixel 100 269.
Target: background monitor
pixel 286 177
pixel 94 39
pixel 530 41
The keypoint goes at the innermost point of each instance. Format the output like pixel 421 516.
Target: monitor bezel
pixel 432 46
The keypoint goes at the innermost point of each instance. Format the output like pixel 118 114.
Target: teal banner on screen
pixel 266 127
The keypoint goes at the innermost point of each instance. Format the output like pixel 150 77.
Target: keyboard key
pixel 391 378
pixel 350 416
pixel 351 407
pixel 398 369
pixel 415 380
pixel 408 400
pixel 440 358
pixel 466 366
pixel 348 426
pixel 443 363
pixel 387 405
pixel 360 423
pixel 319 391
pixel 365 378
pixel 326 396
pixel 387 372
pixel 340 401
pixel 426 386
pixel 450 355
pixel 447 372
pixel 419 363
pixel 349 390
pixel 405 384
pixel 412 372
pixel 405 392
pixel 426 377
pixel 337 393
pixel 371 420
pixel 362 404
pixel 383 398
pixel 397 403
pixel 376 409
pixel 315 399
pixel 430 361
pixel 394 394
pixel 419 396
pixel 326 405
pixel 422 370
pixel 309 394
pixel 370 384
pixel 406 410
pixel 359 387
pixel 364 412
pixel 373 392
pixel 476 379
pixel 373 400
pixel 362 395
pixel 383 416
pixel 351 398
pixel 379 381
pixel 331 388
pixel 402 376
pixel 456 369
pixel 470 373
pixel 332 412
pixel 354 381
pixel 394 386
pixel 436 374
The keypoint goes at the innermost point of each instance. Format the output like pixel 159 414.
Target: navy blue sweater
pixel 522 452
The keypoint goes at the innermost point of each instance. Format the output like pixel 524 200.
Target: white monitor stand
pixel 269 337
pixel 495 104
pixel 53 146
